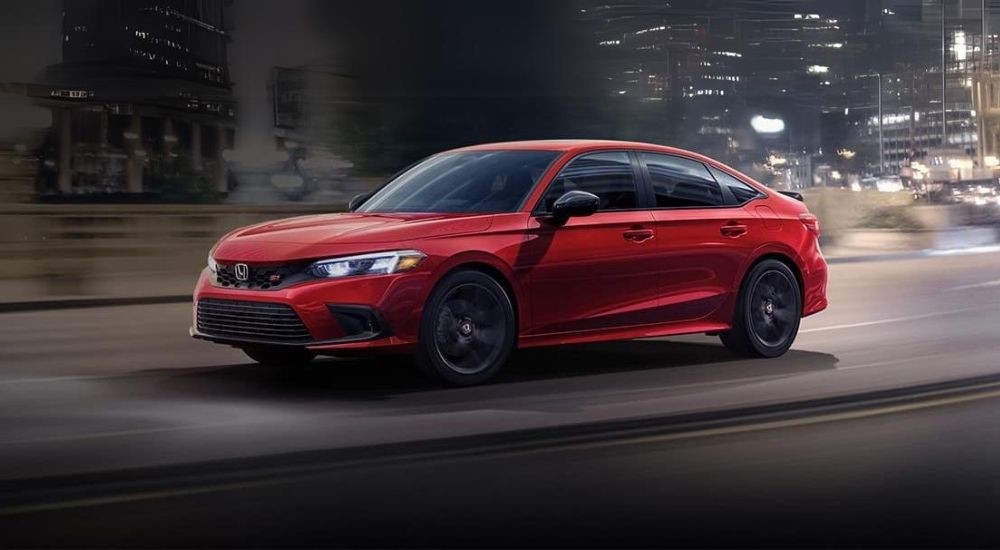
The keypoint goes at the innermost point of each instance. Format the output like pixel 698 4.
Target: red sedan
pixel 474 252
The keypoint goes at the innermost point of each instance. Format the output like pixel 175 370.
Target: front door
pixel 595 272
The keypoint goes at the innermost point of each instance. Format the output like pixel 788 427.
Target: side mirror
pixel 574 204
pixel 356 201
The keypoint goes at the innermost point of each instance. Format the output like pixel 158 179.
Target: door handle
pixel 638 235
pixel 733 230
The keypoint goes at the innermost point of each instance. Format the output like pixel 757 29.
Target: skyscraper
pixel 142 98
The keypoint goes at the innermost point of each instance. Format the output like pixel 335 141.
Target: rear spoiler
pixel 794 195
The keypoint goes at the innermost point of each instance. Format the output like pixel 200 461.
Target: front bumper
pixel 368 312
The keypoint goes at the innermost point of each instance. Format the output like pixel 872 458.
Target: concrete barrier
pixel 68 252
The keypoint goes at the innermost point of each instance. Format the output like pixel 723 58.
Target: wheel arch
pixel 495 269
pixel 789 262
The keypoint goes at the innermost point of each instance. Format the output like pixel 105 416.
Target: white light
pixel 765 125
pixel 958 47
pixel 817 69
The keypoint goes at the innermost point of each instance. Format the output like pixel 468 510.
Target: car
pixel 475 252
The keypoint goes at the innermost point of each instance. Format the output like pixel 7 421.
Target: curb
pixel 914 254
pixel 80 303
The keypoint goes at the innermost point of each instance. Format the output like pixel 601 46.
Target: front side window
pixel 464 182
pixel 679 182
pixel 608 175
pixel 741 191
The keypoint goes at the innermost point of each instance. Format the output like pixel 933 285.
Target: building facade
pixel 142 101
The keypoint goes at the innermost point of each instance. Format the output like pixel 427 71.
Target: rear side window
pixel 679 182
pixel 741 191
pixel 608 175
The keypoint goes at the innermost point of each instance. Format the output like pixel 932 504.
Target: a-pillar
pixel 221 185
pixel 64 118
pixel 136 154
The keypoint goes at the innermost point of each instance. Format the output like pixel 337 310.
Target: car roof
pixel 577 146
pixel 580 146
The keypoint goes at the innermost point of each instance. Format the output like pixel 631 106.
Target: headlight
pixel 212 266
pixel 379 263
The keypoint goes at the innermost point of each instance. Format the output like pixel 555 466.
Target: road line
pixel 987 284
pixel 900 319
pixel 985 249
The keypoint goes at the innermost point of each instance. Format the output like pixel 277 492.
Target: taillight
pixel 811 222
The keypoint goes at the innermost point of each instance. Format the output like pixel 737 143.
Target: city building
pixel 903 121
pixel 142 100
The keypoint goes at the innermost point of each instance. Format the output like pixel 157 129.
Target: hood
pixel 343 233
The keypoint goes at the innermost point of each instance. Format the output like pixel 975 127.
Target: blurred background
pixel 142 130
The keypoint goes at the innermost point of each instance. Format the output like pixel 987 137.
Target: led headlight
pixel 379 263
pixel 212 266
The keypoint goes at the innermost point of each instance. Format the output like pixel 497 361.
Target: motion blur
pixel 133 135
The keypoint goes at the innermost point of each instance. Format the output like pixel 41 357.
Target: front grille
pixel 260 277
pixel 242 320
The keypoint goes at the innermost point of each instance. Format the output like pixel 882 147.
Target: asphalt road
pixel 115 389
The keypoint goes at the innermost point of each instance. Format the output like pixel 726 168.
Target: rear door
pixel 703 236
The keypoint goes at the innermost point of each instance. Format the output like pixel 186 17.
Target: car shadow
pixel 529 372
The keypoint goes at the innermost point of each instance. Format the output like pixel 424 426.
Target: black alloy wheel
pixel 768 312
pixel 467 331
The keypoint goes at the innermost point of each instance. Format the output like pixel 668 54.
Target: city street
pixel 120 389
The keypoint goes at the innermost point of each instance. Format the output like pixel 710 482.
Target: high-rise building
pixel 927 116
pixel 717 63
pixel 184 39
pixel 142 99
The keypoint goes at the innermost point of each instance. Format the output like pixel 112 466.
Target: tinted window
pixel 679 182
pixel 474 181
pixel 741 191
pixel 608 175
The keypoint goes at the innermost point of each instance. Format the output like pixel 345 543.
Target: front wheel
pixel 768 311
pixel 467 330
pixel 278 356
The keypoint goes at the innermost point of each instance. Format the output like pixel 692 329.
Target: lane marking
pixel 963 251
pixel 302 473
pixel 900 319
pixel 987 284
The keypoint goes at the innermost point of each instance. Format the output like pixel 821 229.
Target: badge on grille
pixel 241 271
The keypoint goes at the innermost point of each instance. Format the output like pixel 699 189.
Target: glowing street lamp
pixel 765 125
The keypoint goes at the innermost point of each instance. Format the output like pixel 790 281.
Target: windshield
pixel 466 182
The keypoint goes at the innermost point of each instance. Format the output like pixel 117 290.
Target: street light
pixel 764 125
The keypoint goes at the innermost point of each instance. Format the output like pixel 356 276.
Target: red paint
pixel 612 275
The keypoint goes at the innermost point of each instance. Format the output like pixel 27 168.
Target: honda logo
pixel 241 271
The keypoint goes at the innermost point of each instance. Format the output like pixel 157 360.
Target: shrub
pixel 890 217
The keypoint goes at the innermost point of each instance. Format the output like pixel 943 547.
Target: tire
pixel 467 330
pixel 768 312
pixel 278 356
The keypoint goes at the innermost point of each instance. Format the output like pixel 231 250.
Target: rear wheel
pixel 768 311
pixel 278 356
pixel 467 330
